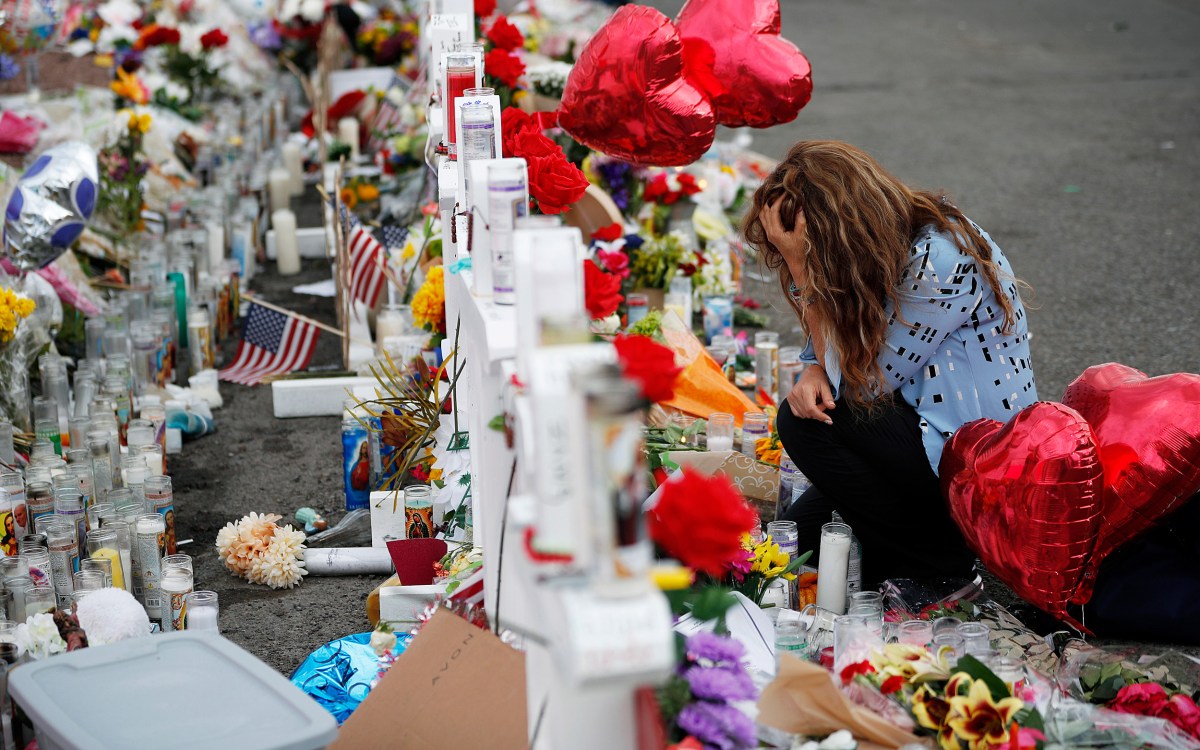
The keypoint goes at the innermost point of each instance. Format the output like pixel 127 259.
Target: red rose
pixel 601 291
pixel 155 35
pixel 530 144
pixel 513 122
pixel 484 8
pixel 504 66
pixel 1182 711
pixel 610 233
pixel 214 39
pixel 1142 698
pixel 555 183
pixel 650 363
pixel 700 520
pixel 504 35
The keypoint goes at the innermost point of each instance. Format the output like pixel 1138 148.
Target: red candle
pixel 458 80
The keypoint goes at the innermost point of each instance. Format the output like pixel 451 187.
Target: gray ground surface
pixel 1070 130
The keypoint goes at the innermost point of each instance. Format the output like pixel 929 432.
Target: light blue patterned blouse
pixel 956 365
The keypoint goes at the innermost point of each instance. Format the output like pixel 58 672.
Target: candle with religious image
pixel 151 532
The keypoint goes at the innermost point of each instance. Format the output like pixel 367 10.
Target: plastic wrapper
pixel 353 529
pixel 51 205
pixel 340 674
pixel 905 599
pixel 702 387
pixel 29 340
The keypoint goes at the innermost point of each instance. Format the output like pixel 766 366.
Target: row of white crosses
pixel 593 633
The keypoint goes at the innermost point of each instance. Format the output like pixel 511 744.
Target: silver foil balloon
pixel 51 205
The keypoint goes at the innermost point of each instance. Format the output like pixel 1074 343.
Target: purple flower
pixel 265 36
pixel 8 67
pixel 718 725
pixel 713 647
pixel 721 683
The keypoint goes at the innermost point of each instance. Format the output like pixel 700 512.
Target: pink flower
pixel 614 261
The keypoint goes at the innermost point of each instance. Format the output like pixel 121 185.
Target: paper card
pixel 414 559
pixel 418 705
pixel 618 638
pixel 749 625
pixel 756 481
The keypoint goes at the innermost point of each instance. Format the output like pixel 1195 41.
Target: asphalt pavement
pixel 1069 130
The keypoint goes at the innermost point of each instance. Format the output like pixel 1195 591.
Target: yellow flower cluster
pixel 138 123
pixel 967 713
pixel 770 561
pixel 13 309
pixel 429 303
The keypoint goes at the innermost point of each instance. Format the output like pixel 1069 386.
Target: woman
pixel 915 327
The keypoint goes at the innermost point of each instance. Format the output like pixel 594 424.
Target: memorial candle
pixel 287 247
pixel 279 183
pixel 347 129
pixel 293 161
pixel 831 574
pixel 460 76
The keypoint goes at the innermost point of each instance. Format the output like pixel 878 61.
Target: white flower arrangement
pixel 715 276
pixel 38 637
pixel 550 78
pixel 257 549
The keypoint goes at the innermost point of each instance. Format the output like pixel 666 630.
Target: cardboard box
pixel 758 482
pixel 418 704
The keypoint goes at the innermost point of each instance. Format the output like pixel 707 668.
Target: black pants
pixel 872 469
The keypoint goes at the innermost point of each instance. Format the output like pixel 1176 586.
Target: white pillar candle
pixel 279 182
pixel 347 129
pixel 202 618
pixel 293 161
pixel 388 323
pixel 720 443
pixel 287 248
pixel 831 574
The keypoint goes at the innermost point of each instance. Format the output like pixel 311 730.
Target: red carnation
pixel 504 35
pixel 555 183
pixel 601 291
pixel 610 233
pixel 484 8
pixel 504 66
pixel 214 39
pixel 700 520
pixel 850 671
pixel 892 684
pixel 650 363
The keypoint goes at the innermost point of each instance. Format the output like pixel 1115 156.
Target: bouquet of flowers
pixel 390 39
pixel 122 167
pixel 764 563
pixel 257 549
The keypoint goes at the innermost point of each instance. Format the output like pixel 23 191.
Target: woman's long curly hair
pixel 861 222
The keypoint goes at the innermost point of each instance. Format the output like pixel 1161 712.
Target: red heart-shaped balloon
pixel 629 96
pixel 767 80
pixel 1148 432
pixel 1027 497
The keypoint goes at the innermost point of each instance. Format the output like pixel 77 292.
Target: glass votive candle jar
pixel 183 562
pixel 88 580
pixel 948 645
pixel 8 632
pixel 867 597
pixel 418 512
pixel 915 632
pixel 853 639
pixel 720 432
pixel 755 425
pixel 872 611
pixel 1010 671
pixel 946 625
pixel 203 611
pixel 39 599
pixel 976 637
pixel 101 565
pixel 636 307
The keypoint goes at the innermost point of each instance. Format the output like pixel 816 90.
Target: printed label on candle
pixel 150 552
pixel 174 608
pixel 64 559
pixel 163 503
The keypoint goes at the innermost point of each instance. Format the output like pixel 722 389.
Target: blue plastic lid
pixel 185 689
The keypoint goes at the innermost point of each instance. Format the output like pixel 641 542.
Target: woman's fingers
pixel 809 400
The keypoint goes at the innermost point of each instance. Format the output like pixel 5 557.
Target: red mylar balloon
pixel 1148 432
pixel 767 80
pixel 1027 497
pixel 629 96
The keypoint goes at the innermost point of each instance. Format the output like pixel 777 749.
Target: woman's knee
pixel 797 434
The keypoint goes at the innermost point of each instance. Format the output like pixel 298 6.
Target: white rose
pixel 382 642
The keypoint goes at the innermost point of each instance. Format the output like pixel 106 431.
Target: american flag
pixel 367 256
pixel 272 344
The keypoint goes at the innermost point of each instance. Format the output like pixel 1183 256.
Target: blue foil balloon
pixel 339 674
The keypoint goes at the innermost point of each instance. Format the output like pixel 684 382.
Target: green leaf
pixel 496 423
pixel 979 671
pixel 712 602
